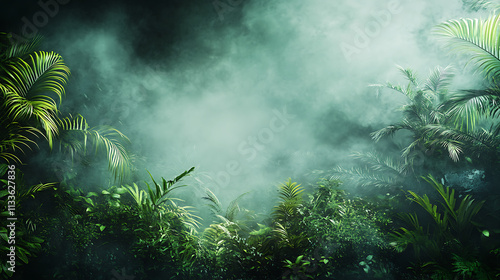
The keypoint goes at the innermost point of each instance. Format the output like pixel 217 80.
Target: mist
pixel 249 92
pixel 309 160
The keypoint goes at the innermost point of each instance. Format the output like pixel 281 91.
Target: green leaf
pixel 475 37
pixel 88 200
pixel 121 190
pixel 4 236
pixel 4 193
pixel 92 194
pixel 299 258
pixel 3 169
pixel 22 256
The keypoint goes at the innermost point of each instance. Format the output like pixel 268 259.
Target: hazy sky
pixel 251 92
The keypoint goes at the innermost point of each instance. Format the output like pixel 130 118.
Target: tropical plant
pixel 471 109
pixel 28 78
pixel 423 109
pixel 290 195
pixel 447 245
pixel 157 204
pixel 76 138
pixel 378 171
pixel 342 230
pixel 231 244
pixel 167 235
pixel 31 87
pixel 85 234
pixel 479 40
pixel 234 245
pixel 421 153
pixel 297 269
pixel 215 206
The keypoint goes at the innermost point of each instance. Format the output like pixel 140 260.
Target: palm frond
pixel 476 38
pixel 34 189
pixel 39 109
pixel 415 113
pixel 365 177
pixel 409 150
pixel 76 136
pixel 111 139
pixel 234 208
pixel 456 141
pixel 211 235
pixel 185 215
pixel 469 106
pixel 419 239
pixel 9 49
pixel 27 85
pixel 290 195
pixel 160 193
pixel 214 203
pixel 224 220
pixel 461 216
pixel 440 219
pixel 389 130
pixel 41 72
pixel 290 191
pixel 394 87
pixel 411 76
pixel 378 163
pixel 138 195
pixel 282 233
pixel 14 137
pixel 454 147
pixel 438 79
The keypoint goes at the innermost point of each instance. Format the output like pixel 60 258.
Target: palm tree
pixel 28 80
pixel 423 109
pixel 30 83
pixel 479 40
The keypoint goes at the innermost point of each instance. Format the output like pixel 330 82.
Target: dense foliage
pixel 141 230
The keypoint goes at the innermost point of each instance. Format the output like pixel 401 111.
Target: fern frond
pixel 290 191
